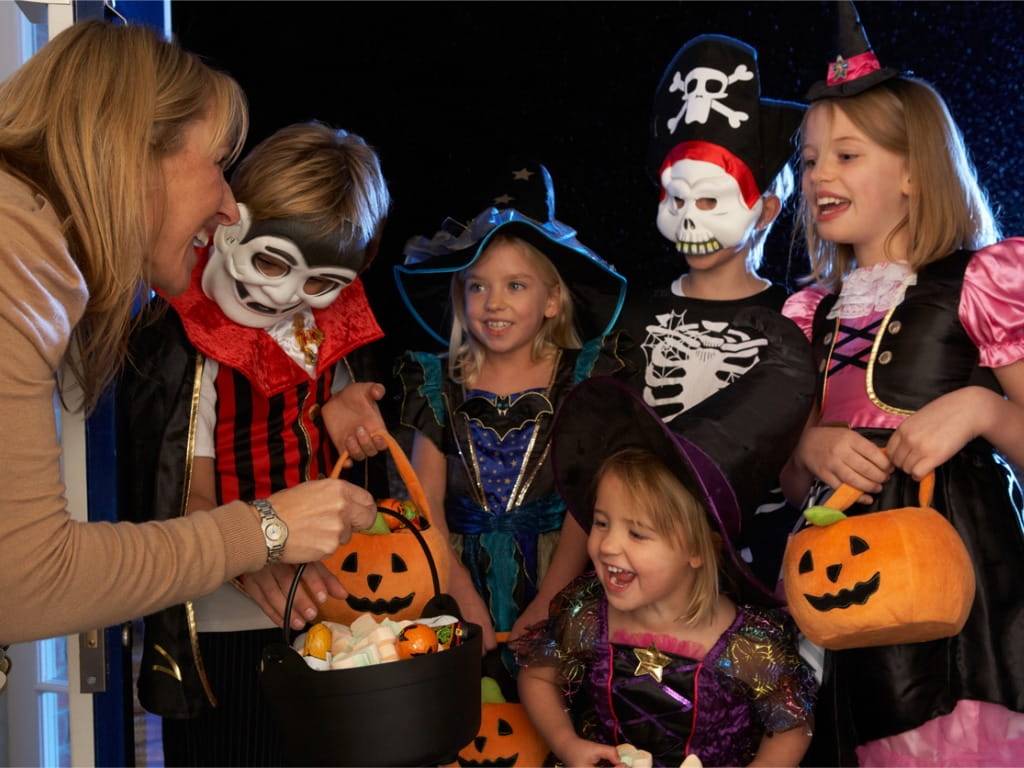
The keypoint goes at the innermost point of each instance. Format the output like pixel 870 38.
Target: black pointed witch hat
pixel 524 207
pixel 856 67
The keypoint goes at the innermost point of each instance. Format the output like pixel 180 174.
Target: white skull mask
pixel 260 281
pixel 703 209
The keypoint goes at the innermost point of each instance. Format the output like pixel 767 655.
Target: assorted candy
pixel 632 757
pixel 330 645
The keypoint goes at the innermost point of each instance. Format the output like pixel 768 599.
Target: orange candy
pixel 416 640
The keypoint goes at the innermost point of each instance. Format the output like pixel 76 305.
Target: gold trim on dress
pixel 190 447
pixel 869 379
pixel 869 376
pixel 173 670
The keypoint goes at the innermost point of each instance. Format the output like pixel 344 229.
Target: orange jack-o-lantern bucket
pixel 383 568
pixel 895 576
pixel 506 737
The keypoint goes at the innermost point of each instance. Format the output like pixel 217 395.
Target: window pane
pixel 54 730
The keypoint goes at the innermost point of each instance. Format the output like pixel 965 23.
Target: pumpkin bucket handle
pixel 419 498
pixel 434 577
pixel 405 471
pixel 845 495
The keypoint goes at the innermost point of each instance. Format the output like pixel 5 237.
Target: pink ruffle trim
pixel 975 733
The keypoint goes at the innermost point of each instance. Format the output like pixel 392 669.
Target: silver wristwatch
pixel 274 530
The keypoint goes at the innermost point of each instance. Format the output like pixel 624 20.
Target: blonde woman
pixel 113 145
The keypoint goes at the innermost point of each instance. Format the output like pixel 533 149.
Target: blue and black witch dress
pixel 501 505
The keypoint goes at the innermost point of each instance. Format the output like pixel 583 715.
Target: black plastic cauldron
pixel 412 712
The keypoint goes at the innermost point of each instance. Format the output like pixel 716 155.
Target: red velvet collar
pixel 347 324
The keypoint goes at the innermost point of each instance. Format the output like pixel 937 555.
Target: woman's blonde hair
pixel 676 513
pixel 947 209
pixel 85 122
pixel 326 177
pixel 466 355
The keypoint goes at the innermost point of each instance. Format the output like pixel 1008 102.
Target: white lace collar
pixel 877 288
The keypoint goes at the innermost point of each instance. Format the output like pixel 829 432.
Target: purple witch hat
pixel 856 67
pixel 602 416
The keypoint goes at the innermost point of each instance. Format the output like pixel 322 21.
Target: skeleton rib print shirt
pixel 693 348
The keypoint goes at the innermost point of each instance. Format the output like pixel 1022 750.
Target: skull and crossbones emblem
pixel 689 362
pixel 703 90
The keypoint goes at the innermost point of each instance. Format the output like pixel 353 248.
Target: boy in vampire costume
pixel 224 401
pixel 722 366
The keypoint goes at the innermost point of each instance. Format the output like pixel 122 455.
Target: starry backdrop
pixel 444 91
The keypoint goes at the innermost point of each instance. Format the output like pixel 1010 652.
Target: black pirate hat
pixel 708 106
pixel 856 67
pixel 524 207
pixel 603 416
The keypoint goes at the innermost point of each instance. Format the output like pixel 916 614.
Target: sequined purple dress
pixel 752 681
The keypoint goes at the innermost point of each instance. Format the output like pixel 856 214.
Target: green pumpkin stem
pixel 823 515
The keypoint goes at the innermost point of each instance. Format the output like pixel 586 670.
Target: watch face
pixel 274 531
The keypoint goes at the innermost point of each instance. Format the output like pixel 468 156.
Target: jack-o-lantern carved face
pixel 897 576
pixel 385 571
pixel 506 736
pixel 857 593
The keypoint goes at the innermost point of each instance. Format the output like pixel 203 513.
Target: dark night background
pixel 445 90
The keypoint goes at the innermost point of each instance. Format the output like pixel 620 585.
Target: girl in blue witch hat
pixel 525 310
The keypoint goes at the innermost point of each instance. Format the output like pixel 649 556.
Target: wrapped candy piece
pixel 633 757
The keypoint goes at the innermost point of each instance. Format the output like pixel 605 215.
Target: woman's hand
pixel 269 586
pixel 351 416
pixel 321 515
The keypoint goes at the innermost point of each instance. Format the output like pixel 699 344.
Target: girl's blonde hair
pixel 466 355
pixel 85 123
pixel 328 178
pixel 948 210
pixel 676 513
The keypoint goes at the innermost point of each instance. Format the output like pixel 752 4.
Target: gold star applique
pixel 504 199
pixel 650 661
pixel 522 174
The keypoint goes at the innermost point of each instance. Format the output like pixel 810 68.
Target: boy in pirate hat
pixel 722 366
pixel 224 402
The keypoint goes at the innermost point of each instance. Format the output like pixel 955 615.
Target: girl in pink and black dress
pixel 919 332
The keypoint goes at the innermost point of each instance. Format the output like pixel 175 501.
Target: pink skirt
pixel 975 733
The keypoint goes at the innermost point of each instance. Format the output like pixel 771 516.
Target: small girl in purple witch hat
pixel 916 316
pixel 669 646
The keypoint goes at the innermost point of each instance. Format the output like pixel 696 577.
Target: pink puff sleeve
pixel 992 302
pixel 801 306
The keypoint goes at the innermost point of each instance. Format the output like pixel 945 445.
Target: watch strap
pixel 275 532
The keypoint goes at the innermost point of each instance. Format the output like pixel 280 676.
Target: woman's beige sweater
pixel 58 576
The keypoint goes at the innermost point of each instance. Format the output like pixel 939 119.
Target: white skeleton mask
pixel 259 282
pixel 703 210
